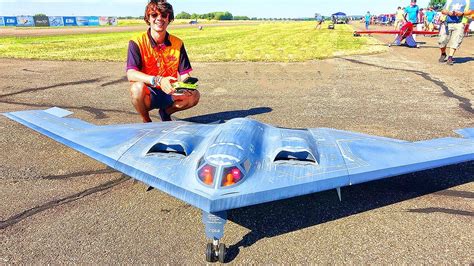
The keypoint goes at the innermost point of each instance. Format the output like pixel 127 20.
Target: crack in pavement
pixel 442 210
pixel 123 79
pixel 84 173
pixel 33 71
pixel 58 202
pixel 464 103
pixel 51 87
pixel 456 193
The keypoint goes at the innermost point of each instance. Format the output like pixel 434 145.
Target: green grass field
pixel 134 22
pixel 266 42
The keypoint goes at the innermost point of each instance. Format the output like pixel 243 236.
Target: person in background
pixel 451 33
pixel 368 17
pixel 412 15
pixel 429 19
pixel 155 60
pixel 421 20
pixel 319 21
pixel 399 18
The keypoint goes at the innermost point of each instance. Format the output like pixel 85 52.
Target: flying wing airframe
pixel 242 162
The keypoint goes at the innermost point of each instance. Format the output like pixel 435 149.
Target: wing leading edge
pixel 278 163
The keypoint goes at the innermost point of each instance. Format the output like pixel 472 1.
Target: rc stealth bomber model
pixel 219 167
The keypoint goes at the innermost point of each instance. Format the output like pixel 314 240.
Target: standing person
pixel 421 20
pixel 451 32
pixel 367 20
pixel 319 21
pixel 412 15
pixel 399 18
pixel 429 16
pixel 155 60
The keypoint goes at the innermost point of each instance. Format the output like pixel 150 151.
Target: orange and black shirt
pixel 167 59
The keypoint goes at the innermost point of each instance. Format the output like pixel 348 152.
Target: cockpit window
pixel 206 174
pixel 231 176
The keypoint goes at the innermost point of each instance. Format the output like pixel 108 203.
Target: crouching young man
pixel 155 60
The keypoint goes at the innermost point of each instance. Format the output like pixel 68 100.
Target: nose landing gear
pixel 216 252
pixel 214 226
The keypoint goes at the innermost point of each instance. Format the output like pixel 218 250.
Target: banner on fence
pixel 25 21
pixel 82 21
pixel 93 21
pixel 103 21
pixel 10 21
pixel 113 21
pixel 70 21
pixel 41 21
pixel 56 21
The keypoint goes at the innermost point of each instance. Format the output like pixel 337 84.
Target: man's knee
pixel 195 98
pixel 137 90
pixel 187 101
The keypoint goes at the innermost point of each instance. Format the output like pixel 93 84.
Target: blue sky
pixel 251 8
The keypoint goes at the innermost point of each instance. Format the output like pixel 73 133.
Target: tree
pixel 241 18
pixel 183 15
pixel 223 16
pixel 437 4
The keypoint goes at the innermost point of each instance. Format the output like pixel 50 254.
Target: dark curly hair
pixel 158 6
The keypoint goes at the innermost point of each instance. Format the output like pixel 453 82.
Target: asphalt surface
pixel 59 206
pixel 45 31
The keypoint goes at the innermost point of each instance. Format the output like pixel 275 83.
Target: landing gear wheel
pixel 222 252
pixel 210 252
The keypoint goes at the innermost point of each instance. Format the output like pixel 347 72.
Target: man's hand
pixel 166 86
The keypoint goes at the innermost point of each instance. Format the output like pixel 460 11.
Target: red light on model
pixel 236 174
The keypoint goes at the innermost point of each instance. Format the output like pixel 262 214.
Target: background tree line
pixel 213 15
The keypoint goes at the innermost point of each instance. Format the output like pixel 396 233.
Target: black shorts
pixel 159 99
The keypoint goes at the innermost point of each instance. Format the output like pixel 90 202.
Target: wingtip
pixel 466 132
pixel 59 112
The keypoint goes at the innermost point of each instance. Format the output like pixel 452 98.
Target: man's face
pixel 412 3
pixel 158 22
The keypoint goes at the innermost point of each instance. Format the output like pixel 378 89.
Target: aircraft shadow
pixel 280 217
pixel 224 116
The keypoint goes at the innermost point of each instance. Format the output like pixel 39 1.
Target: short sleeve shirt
pixel 412 13
pixel 167 59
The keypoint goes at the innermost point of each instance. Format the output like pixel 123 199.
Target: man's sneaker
pixel 442 58
pixel 450 61
pixel 164 116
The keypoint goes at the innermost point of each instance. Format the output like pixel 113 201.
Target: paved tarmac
pixel 59 206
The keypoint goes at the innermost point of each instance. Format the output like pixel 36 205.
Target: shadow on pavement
pixel 224 116
pixel 280 217
pixel 462 60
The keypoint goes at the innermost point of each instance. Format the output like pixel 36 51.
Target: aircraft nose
pixel 237 140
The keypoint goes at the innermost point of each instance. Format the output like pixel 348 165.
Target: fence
pixel 43 21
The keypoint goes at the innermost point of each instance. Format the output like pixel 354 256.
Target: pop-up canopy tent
pixel 339 14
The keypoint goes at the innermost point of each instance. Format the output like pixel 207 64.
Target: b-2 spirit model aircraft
pixel 219 167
